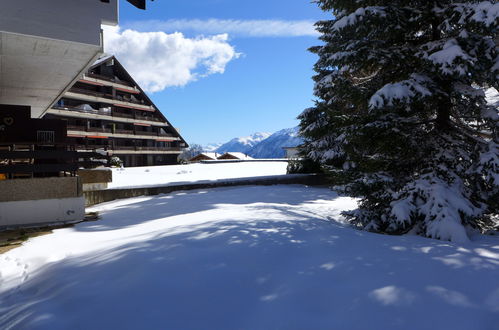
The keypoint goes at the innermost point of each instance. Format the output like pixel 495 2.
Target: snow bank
pixel 245 258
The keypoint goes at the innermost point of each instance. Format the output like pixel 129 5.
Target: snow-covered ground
pixel 201 172
pixel 266 257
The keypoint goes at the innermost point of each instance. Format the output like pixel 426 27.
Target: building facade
pixel 107 111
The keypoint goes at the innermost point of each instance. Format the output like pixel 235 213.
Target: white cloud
pixel 158 60
pixel 241 28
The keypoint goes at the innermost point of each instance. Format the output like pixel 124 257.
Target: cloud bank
pixel 158 60
pixel 238 28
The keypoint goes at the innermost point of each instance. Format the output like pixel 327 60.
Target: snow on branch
pixel 402 91
pixel 357 16
pixel 447 58
pixel 439 203
pixel 484 12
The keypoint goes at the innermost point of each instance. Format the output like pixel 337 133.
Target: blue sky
pixel 240 66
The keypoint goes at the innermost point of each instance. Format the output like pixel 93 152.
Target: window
pixel 45 137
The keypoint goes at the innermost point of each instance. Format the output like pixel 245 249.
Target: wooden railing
pixel 29 160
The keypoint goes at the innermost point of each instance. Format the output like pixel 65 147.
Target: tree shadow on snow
pixel 148 208
pixel 259 274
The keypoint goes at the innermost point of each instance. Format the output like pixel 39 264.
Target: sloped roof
pixel 238 155
pixel 211 155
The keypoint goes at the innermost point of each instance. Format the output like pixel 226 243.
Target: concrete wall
pixel 96 176
pixel 70 20
pixel 39 188
pixel 41 212
pixel 31 202
pixel 101 196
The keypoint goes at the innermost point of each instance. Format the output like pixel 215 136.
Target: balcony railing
pixel 127 148
pixel 107 78
pixel 116 131
pixel 107 113
pixel 77 128
pixel 91 93
pixel 106 96
pixel 146 133
pixel 124 131
pixel 99 129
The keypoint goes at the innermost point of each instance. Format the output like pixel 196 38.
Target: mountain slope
pixel 272 147
pixel 242 144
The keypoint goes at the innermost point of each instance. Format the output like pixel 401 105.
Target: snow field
pixel 200 172
pixel 270 257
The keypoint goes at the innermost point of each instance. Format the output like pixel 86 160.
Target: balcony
pixel 146 133
pixel 107 115
pixel 77 128
pixel 109 132
pixel 124 131
pixel 99 130
pixel 107 78
pixel 92 96
pixel 128 148
pixel 89 92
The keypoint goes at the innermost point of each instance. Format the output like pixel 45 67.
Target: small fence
pixel 32 160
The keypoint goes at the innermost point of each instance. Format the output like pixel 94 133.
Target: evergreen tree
pixel 401 119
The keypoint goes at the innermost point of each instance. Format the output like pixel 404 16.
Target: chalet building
pixel 235 155
pixel 292 152
pixel 204 156
pixel 106 110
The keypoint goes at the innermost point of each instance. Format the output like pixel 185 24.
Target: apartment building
pixel 107 111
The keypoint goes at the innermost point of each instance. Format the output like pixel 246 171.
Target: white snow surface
pixel 266 257
pixel 198 173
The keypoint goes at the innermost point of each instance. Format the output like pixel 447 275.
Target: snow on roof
pixel 238 155
pixel 212 155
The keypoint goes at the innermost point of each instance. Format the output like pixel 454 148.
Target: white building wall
pixel 42 211
pixel 69 20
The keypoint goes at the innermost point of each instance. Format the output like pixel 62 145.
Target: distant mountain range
pixel 212 147
pixel 242 144
pixel 261 145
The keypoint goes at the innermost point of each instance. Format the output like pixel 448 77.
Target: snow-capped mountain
pixel 242 144
pixel 211 147
pixel 272 147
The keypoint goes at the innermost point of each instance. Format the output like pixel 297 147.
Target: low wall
pixel 39 188
pixel 96 176
pixel 41 212
pixel 40 201
pixel 259 160
pixel 101 196
pixel 96 179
